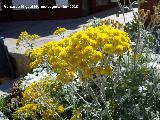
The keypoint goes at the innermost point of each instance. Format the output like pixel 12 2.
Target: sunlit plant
pixel 26 40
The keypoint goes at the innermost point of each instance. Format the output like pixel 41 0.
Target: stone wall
pixel 21 63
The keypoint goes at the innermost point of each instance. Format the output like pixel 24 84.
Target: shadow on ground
pixel 11 29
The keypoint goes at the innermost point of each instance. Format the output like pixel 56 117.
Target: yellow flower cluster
pixel 28 111
pixel 59 31
pixel 26 36
pixel 40 97
pixel 37 89
pixel 60 109
pixel 84 53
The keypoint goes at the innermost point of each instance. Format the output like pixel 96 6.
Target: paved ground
pixel 11 30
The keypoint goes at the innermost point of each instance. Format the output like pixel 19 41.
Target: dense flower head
pixel 36 90
pixel 59 31
pixel 40 97
pixel 84 51
pixel 28 111
pixel 25 36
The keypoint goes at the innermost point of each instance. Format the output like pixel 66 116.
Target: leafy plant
pixel 99 75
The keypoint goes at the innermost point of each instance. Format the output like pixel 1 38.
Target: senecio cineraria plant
pixel 103 79
pixel 98 75
pixel 85 58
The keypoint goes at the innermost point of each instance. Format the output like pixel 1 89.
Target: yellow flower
pixel 107 70
pixel 82 64
pixel 35 63
pixel 100 38
pixel 55 65
pixel 57 50
pixel 60 109
pixel 59 31
pixel 126 46
pixel 25 36
pixel 97 56
pixel 119 50
pixel 94 44
pixel 86 74
pixel 46 114
pixel 88 50
pixel 27 111
pixel 117 40
pixel 108 48
pixel 33 37
pixel 82 51
pixel 63 54
pixel 98 69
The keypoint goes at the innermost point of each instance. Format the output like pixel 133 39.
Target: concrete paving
pixel 10 30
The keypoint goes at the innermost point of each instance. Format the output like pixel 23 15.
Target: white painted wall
pixel 60 3
pixel 0 7
pixel 27 3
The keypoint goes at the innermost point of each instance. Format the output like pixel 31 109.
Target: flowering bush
pixel 84 53
pixel 94 74
pixel 104 77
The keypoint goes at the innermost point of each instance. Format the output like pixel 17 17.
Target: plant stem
pixel 59 116
pixel 122 10
pixel 139 34
pixel 79 95
pixel 102 96
pixel 94 96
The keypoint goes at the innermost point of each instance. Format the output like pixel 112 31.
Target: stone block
pixel 20 63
